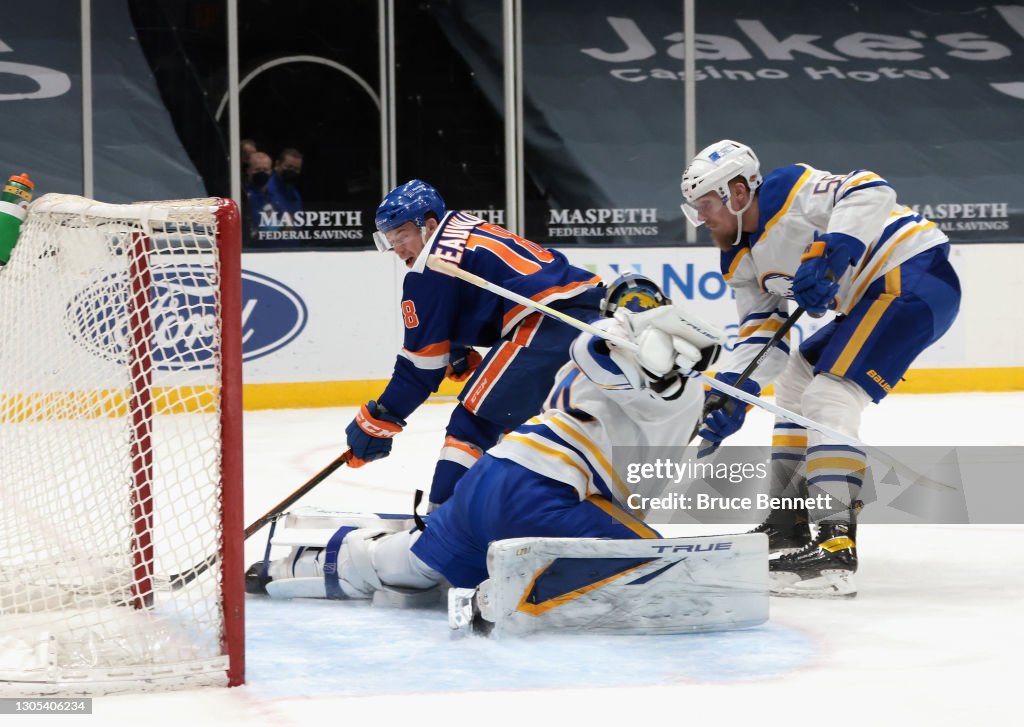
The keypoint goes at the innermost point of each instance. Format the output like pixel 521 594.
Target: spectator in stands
pixel 258 172
pixel 284 193
pixel 246 148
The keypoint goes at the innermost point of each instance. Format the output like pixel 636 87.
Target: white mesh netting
pixel 110 448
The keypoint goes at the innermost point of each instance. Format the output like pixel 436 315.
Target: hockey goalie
pixel 539 534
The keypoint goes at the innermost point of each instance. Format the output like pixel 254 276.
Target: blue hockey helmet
pixel 634 292
pixel 409 202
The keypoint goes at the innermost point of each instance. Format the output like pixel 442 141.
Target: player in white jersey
pixel 838 242
pixel 550 477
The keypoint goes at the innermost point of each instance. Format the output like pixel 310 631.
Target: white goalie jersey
pixel 795 202
pixel 593 414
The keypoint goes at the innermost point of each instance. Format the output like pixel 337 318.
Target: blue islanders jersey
pixel 794 203
pixel 438 309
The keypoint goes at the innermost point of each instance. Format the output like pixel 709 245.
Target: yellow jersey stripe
pixel 789 201
pixel 623 517
pixel 589 445
pixel 550 452
pixel 912 229
pixel 860 335
pixel 735 263
pixel 835 463
pixel 772 324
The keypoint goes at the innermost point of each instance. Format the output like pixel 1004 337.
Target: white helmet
pixel 712 169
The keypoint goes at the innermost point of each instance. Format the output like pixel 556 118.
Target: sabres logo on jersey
pixel 778 283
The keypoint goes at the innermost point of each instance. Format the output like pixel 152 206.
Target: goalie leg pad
pixel 673 585
pixel 357 563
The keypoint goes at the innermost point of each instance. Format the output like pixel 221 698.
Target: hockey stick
pixel 717 401
pixel 446 268
pixel 287 502
pixel 177 581
pixel 707 448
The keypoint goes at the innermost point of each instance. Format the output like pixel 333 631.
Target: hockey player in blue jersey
pixel 442 316
pixel 551 477
pixel 838 242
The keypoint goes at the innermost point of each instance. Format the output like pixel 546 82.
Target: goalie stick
pixel 179 580
pixel 446 268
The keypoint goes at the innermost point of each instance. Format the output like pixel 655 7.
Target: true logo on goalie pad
pixel 691 547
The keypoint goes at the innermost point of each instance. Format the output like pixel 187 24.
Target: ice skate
pixel 822 569
pixel 787 532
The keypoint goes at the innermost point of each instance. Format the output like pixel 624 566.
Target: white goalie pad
pixel 313 527
pixel 343 555
pixel 673 585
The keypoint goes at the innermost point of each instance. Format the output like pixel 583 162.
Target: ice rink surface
pixel 934 637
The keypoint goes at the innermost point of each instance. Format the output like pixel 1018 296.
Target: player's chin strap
pixel 739 219
pixel 443 266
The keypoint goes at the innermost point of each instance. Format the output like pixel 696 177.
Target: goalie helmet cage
pixel 121 448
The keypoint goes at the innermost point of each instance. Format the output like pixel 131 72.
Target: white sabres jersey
pixel 794 203
pixel 592 409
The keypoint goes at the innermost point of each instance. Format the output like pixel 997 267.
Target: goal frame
pixel 229 233
pixel 141 401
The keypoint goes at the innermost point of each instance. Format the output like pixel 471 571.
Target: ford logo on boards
pixel 272 315
pixel 183 317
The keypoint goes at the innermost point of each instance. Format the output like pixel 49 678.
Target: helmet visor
pixel 701 209
pixel 380 239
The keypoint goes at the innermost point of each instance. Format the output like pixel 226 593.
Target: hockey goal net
pixel 120 448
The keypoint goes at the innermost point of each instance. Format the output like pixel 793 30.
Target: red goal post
pixel 121 448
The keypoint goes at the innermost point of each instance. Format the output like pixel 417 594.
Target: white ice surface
pixel 934 636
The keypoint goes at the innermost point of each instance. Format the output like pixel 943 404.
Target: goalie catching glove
pixel 670 339
pixel 370 433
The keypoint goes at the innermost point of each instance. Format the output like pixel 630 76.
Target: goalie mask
pixel 705 183
pixel 634 292
pixel 410 202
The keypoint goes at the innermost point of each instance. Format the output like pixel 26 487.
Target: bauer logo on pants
pixel 183 317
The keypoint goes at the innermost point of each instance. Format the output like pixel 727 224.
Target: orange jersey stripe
pixel 489 375
pixel 508 256
pixel 462 447
pixel 536 250
pixel 526 329
pixel 539 297
pixel 434 349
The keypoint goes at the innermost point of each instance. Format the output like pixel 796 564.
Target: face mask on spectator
pixel 288 176
pixel 260 178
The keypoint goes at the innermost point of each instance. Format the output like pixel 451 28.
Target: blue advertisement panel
pixel 137 154
pixel 930 96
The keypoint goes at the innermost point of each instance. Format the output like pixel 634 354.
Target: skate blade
pixel 830 584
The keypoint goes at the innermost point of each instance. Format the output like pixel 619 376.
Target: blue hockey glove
pixel 826 260
pixel 369 434
pixel 723 415
pixel 462 362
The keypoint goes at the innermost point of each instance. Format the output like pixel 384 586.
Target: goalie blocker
pixel 669 585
